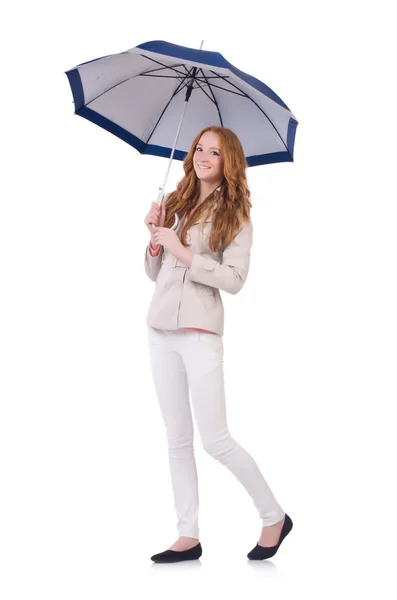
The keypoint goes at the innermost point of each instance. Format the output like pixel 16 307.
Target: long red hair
pixel 230 206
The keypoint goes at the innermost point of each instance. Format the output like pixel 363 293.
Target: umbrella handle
pixel 159 201
pixel 176 222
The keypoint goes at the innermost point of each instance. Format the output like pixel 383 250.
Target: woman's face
pixel 207 159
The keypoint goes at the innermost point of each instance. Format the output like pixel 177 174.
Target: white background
pixel 310 341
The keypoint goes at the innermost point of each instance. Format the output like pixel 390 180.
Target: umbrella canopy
pixel 139 95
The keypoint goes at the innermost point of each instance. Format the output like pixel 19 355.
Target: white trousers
pixel 183 360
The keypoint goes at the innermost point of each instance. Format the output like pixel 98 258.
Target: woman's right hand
pixel 156 215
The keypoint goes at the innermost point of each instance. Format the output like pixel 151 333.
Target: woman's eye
pixel 213 152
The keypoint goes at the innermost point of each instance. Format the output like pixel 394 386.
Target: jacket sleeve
pixel 153 263
pixel 231 274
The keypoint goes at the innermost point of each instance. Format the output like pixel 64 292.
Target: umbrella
pixel 158 95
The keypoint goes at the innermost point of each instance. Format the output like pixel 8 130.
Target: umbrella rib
pixel 257 105
pixel 198 86
pixel 161 76
pixel 213 96
pixel 243 95
pixel 183 84
pixel 129 79
pixel 165 67
pixel 180 87
pixel 213 99
pixel 209 76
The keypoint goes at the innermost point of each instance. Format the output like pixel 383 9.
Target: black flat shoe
pixel 260 552
pixel 169 556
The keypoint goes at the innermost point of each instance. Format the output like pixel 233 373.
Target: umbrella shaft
pixel 162 189
pixel 187 97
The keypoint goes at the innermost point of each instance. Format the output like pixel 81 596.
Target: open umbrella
pixel 157 96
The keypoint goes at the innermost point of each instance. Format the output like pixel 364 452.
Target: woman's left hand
pixel 168 238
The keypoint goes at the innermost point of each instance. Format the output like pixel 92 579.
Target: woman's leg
pixel 203 360
pixel 172 391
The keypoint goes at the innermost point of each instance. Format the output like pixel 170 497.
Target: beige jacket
pixel 190 296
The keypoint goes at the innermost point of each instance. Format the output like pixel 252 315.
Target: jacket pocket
pixel 206 293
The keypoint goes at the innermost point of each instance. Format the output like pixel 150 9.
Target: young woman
pixel 210 251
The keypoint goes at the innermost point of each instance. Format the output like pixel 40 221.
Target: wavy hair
pixel 230 206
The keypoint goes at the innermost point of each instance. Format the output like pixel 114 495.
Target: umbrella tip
pixel 201 44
